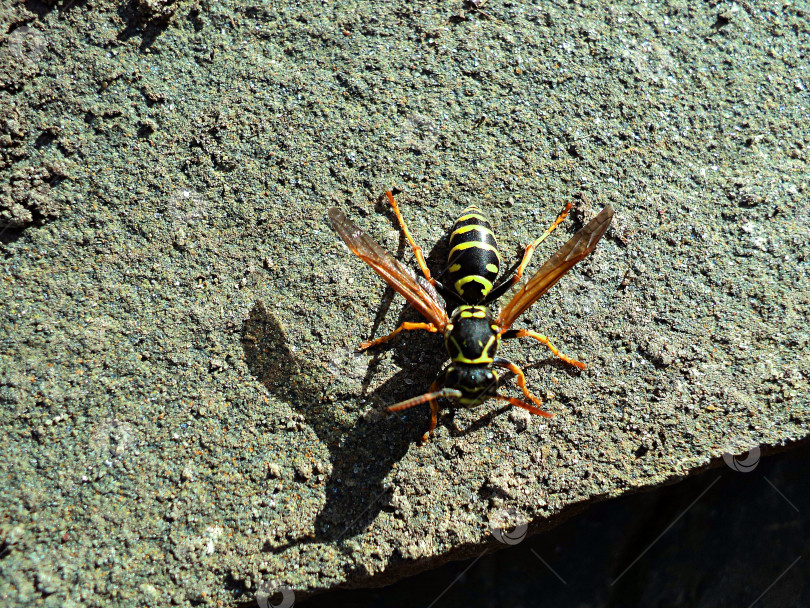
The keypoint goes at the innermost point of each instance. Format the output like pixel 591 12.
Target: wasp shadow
pixel 363 452
pixel 146 20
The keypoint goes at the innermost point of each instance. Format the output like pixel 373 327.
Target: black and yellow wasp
pixel 471 333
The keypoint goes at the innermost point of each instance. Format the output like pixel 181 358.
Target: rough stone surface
pixel 723 537
pixel 185 415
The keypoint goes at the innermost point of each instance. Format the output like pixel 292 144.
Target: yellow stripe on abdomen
pixel 468 228
pixel 486 285
pixel 480 245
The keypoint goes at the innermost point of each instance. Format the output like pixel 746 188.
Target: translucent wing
pixel 576 249
pixel 393 272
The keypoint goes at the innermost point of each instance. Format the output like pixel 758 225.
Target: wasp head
pixel 476 383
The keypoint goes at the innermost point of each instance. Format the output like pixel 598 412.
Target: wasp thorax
pixel 472 336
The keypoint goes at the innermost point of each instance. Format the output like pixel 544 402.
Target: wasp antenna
pixel 408 403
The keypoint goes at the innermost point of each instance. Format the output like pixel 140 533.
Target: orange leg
pixel 405 326
pixel 527 256
pixel 417 250
pixel 521 379
pixel 527 333
pixel 434 416
pixel 523 405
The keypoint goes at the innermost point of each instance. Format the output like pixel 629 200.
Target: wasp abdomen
pixel 474 261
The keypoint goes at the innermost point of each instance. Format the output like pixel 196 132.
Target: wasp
pixel 472 333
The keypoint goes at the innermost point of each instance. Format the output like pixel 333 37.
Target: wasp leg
pixel 553 227
pixel 521 379
pixel 434 416
pixel 523 405
pixel 417 250
pixel 430 397
pixel 405 326
pixel 507 284
pixel 527 333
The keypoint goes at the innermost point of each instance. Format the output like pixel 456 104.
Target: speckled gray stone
pixel 186 417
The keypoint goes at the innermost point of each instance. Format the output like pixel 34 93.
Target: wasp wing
pixel 393 272
pixel 576 249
